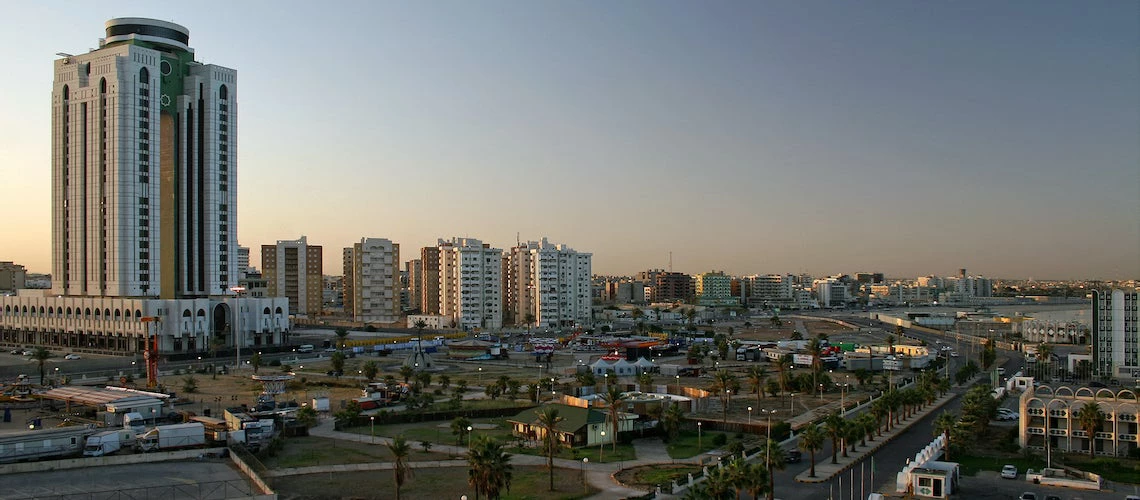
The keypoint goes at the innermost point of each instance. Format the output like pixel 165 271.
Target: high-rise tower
pixel 143 168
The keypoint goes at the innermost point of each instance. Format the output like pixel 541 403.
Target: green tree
pixel 757 376
pixel 41 355
pixel 586 379
pixel 671 420
pixel 459 427
pixel 724 384
pixel 189 384
pixel 444 381
pixel 255 362
pixel 307 416
pixel 645 380
pixel 1090 419
pixel 407 372
pixel 615 400
pixel 337 361
pixel 369 370
pixel 490 468
pixel 341 337
pixel 513 388
pixel 460 388
pixel 834 426
pixel 548 420
pixel 400 469
pixel 944 424
pixel 423 379
pixel 783 371
pixel 811 441
pixel 774 459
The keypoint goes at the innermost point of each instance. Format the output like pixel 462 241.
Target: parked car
pixel 793 456
pixel 1009 472
pixel 15 351
pixel 71 356
pixel 1052 497
pixel 1029 495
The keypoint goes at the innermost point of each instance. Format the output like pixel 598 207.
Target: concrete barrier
pixel 267 492
pixel 78 463
pixel 1058 477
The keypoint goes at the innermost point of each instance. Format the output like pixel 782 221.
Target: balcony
pixel 1035 430
pixel 1105 435
pixel 1058 432
pixel 1131 438
pixel 1080 434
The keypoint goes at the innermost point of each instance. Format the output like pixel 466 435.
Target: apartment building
pixel 292 269
pixel 831 292
pixel 12 277
pixel 371 281
pixel 1048 420
pixel 1115 339
pixel 714 289
pixel 470 283
pixel 426 280
pixel 548 284
pixel 673 287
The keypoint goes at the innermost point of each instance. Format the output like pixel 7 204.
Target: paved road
pixel 209 479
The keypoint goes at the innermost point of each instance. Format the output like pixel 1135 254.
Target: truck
pixel 46 443
pixel 172 437
pixel 107 442
pixel 135 422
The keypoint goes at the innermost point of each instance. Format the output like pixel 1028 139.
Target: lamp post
pixel 750 416
pixel 372 420
pixel 768 443
pixel 585 460
pixel 480 375
pixel 469 437
pixel 792 402
pixel 678 383
pixel 699 448
pixel 821 392
pixel 601 448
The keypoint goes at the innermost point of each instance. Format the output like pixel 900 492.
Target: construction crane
pixel 150 355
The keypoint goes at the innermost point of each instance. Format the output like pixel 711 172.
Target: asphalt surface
pixel 208 479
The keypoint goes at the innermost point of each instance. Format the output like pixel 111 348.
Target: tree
pixel 772 387
pixel 943 424
pixel 307 416
pixel 868 423
pixel 459 427
pixel 852 431
pixel 548 420
pixel 586 379
pixel 255 362
pixel 783 371
pixel 189 384
pixel 724 383
pixel 671 421
pixel 879 409
pixel 490 468
pixel 834 426
pixel 369 370
pixel 863 375
pixel 41 355
pixel 811 441
pixel 774 458
pixel 341 336
pixel 815 348
pixel 645 380
pixel 423 379
pixel 444 381
pixel 460 388
pixel 337 361
pixel 615 402
pixel 1090 419
pixel 513 388
pixel 637 313
pixel 407 372
pixel 891 344
pixel 400 469
pixel 746 477
pixel 757 376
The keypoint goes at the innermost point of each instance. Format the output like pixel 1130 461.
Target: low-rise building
pixel 1049 420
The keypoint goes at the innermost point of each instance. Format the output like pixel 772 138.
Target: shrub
pixel 720 439
pixel 275 362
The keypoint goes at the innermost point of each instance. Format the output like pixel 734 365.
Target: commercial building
pixel 470 283
pixel 12 277
pixel 242 262
pixel 372 281
pixel 831 292
pixel 548 284
pixel 673 287
pixel 714 289
pixel 771 290
pixel 1115 339
pixel 144 213
pixel 293 270
pixel 1049 411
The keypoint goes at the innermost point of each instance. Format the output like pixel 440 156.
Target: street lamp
pixel 373 421
pixel 601 448
pixel 480 375
pixel 678 383
pixel 821 392
pixel 792 402
pixel 749 415
pixel 468 437
pixel 699 448
pixel 585 460
pixel 768 443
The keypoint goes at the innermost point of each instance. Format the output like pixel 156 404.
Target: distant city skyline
pixel 780 137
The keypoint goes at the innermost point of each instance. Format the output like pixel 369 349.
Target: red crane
pixel 150 355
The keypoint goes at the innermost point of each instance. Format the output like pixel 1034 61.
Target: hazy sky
pixel 909 138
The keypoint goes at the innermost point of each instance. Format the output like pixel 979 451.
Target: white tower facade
pixel 549 283
pixel 144 188
pixel 470 283
pixel 373 266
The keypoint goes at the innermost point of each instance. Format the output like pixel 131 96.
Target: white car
pixel 71 356
pixel 953 354
pixel 1009 472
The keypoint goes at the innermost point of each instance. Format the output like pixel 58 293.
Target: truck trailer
pixel 47 443
pixel 172 437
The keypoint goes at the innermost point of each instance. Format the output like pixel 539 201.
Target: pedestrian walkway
pixel 825 470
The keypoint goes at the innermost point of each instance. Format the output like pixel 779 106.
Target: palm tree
pixel 943 424
pixel 852 431
pixel 369 370
pixel 774 458
pixel 891 344
pixel 459 427
pixel 255 362
pixel 718 484
pixel 724 382
pixel 783 369
pixel 400 450
pixel 490 468
pixel 834 425
pixel 744 476
pixel 815 348
pixel 645 379
pixel 879 409
pixel 341 335
pixel 756 378
pixel 614 399
pixel 868 423
pixel 671 421
pixel 811 441
pixel 548 420
pixel 41 355
pixel 1090 419
pixel 407 371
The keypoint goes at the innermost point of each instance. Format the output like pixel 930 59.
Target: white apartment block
pixel 831 292
pixel 143 159
pixel 902 293
pixel 470 283
pixel 242 262
pixel 372 280
pixel 1115 340
pixel 975 286
pixel 713 289
pixel 552 284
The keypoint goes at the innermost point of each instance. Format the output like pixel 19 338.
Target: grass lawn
pixel 624 452
pixel 433 433
pixel 527 483
pixel 971 465
pixel 309 450
pixel 649 476
pixel 686 444
pixel 1121 470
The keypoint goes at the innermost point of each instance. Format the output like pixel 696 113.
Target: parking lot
pixel 212 478
pixel 988 485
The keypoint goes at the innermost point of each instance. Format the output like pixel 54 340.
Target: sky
pixel 903 137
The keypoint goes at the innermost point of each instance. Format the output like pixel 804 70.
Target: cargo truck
pixel 47 443
pixel 172 437
pixel 107 442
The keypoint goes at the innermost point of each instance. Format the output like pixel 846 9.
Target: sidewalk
pixel 825 470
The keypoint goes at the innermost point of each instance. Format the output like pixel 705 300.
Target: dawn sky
pixel 909 138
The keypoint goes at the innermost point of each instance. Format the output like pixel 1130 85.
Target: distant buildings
pixel 292 269
pixel 1115 340
pixel 714 289
pixel 423 281
pixel 12 277
pixel 547 284
pixel 470 283
pixel 371 281
pixel 241 262
pixel 673 287
pixel 831 292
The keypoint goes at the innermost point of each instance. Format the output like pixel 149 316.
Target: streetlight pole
pixel 699 448
pixel 749 416
pixel 768 443
pixel 601 448
pixel 585 460
pixel 469 428
pixel 372 420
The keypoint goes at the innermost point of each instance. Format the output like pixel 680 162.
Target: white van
pixel 305 348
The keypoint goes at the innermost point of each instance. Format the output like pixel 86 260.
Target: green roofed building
pixel 579 426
